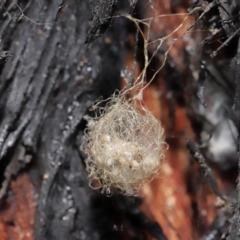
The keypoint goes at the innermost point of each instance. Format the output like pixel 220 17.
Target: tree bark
pixel 46 89
pixel 58 57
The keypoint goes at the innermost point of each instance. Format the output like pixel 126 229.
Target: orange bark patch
pixel 17 211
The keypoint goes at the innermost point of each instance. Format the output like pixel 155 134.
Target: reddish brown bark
pixel 17 213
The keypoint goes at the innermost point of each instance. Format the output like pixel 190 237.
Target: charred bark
pixel 46 89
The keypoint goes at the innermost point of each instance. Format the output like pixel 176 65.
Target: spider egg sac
pixel 124 148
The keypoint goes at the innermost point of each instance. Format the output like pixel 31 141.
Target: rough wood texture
pixel 46 89
pixel 50 77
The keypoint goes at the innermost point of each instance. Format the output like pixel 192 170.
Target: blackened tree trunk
pixel 46 88
pixel 55 62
